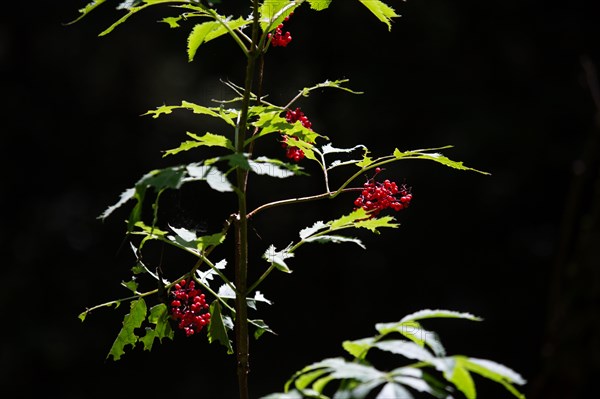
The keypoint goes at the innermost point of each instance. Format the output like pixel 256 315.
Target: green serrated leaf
pixel 374 223
pixel 216 112
pixel 366 161
pixel 348 220
pixel 131 321
pixel 319 5
pixel 208 140
pixel 159 316
pixel 216 328
pixel 198 36
pixel 335 84
pixel 273 12
pixel 130 285
pixel 436 157
pixel 382 11
pixel 86 10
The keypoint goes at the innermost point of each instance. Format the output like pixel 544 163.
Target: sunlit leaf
pixel 382 11
pixel 131 321
pixel 124 197
pixel 319 5
pixel 461 378
pixel 336 239
pixel 405 348
pixel 436 313
pixel 213 176
pixel 159 316
pixel 273 12
pixel 308 231
pixel 274 167
pixel 277 258
pixel 392 390
pixel 436 157
pixel 358 348
pixel 208 140
pixel 216 112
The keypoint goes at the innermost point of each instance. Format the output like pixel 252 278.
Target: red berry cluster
pixel 295 153
pixel 188 308
pixel 377 196
pixel 280 39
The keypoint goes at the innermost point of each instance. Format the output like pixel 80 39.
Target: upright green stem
pixel 242 343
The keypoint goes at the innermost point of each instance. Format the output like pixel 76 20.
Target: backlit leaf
pixel 319 5
pixel 208 140
pixel 131 321
pixel 382 11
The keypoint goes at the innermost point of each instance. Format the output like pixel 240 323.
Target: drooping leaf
pixel 213 176
pixel 86 10
pixel 382 11
pixel 216 328
pixel 123 198
pixel 159 316
pixel 261 328
pixel 127 336
pixel 496 372
pixel 461 378
pixel 198 36
pixel 493 370
pixel 208 275
pixel 207 31
pixel 277 258
pixel 393 390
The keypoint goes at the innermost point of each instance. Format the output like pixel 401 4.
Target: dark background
pixel 504 82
